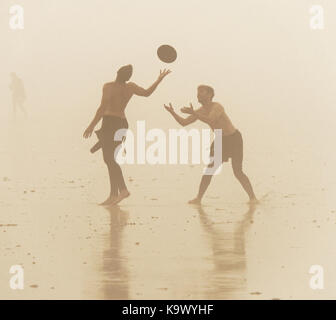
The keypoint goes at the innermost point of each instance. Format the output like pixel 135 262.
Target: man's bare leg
pixel 195 201
pixel 239 174
pixel 206 179
pixel 253 201
pixel 244 180
pixel 23 109
pixel 14 108
pixel 108 201
pixel 122 195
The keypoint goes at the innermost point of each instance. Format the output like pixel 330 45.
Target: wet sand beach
pixel 154 245
pixel 273 73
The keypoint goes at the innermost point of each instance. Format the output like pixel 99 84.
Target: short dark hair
pixel 125 73
pixel 209 89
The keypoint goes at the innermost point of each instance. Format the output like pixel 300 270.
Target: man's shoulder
pixel 200 110
pixel 108 85
pixel 217 105
pixel 131 84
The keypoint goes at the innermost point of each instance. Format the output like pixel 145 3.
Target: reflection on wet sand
pixel 115 273
pixel 228 255
pixel 219 258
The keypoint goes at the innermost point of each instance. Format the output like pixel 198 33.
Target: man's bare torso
pixel 220 120
pixel 116 97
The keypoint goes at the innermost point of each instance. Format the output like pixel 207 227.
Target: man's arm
pixel 202 117
pixel 99 114
pixel 182 121
pixel 100 111
pixel 212 116
pixel 139 91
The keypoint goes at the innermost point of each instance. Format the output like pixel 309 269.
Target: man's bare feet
pixel 253 201
pixel 122 195
pixel 108 201
pixel 195 201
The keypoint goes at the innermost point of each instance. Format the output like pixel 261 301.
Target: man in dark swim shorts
pixel 116 95
pixel 213 114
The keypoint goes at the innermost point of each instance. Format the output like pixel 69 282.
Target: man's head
pixel 124 73
pixel 205 94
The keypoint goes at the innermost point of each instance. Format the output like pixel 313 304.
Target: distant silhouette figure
pixel 213 114
pixel 116 96
pixel 18 93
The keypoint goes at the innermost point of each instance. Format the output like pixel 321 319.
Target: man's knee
pixel 109 158
pixel 106 157
pixel 212 169
pixel 238 173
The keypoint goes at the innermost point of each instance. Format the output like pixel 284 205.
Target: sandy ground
pixel 154 245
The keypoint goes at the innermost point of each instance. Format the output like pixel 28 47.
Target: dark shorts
pixel 232 147
pixel 110 125
pixel 106 134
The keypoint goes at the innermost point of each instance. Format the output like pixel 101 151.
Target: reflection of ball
pixel 167 53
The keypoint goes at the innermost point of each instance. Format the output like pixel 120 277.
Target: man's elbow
pixel 101 109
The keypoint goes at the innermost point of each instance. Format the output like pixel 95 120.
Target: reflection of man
pixel 213 114
pixel 18 93
pixel 228 253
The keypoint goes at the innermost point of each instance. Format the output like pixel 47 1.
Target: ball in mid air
pixel 167 53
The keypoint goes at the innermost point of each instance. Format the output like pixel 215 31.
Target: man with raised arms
pixel 213 114
pixel 115 98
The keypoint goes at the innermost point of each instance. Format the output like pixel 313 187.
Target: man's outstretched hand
pixel 88 132
pixel 188 110
pixel 163 74
pixel 169 108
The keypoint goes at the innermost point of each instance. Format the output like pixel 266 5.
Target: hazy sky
pixel 261 56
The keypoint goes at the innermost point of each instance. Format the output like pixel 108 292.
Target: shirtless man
pixel 213 114
pixel 116 96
